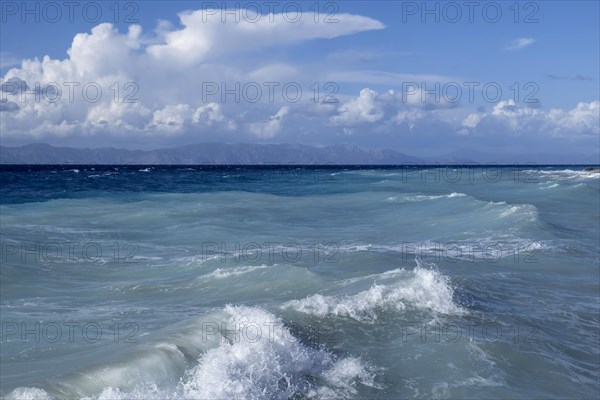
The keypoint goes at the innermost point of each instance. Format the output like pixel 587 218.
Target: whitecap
pixel 221 273
pixel 435 197
pixel 28 393
pixel 426 289
pixel 248 353
pixel 270 365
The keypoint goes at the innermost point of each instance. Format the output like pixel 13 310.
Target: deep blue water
pixel 299 282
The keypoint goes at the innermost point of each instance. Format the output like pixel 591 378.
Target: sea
pixel 299 282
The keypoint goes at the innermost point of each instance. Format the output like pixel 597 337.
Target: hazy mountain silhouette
pixel 247 153
pixel 208 153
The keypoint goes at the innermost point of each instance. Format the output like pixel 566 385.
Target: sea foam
pixel 250 354
pixel 423 288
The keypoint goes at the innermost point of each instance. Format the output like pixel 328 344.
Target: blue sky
pixel 376 56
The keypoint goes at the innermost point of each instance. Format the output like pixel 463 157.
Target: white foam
pixel 149 392
pixel 426 289
pixel 528 211
pixel 564 174
pixel 342 380
pixel 221 273
pixel 509 211
pixel 196 260
pixel 28 393
pixel 238 361
pixel 551 186
pixel 272 365
pixel 435 197
pixel 478 248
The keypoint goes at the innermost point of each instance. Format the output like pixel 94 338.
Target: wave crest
pixel 426 289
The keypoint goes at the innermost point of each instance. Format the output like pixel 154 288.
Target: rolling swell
pixel 509 268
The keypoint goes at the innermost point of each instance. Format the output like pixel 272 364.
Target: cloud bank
pixel 211 80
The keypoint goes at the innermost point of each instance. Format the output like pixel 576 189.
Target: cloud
pixel 211 114
pixel 398 114
pixel 275 73
pixel 118 117
pixel 8 106
pixel 364 108
pixel 177 119
pixel 13 86
pixel 204 35
pixel 104 51
pixel 472 120
pixel 585 118
pixel 519 44
pixel 171 118
pixel 371 107
pixel 268 129
pixel 155 85
pixel 507 116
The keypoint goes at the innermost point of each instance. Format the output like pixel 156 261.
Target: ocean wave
pixel 274 367
pixel 563 174
pixel 424 289
pixel 248 353
pixel 479 248
pixel 221 273
pixel 436 197
pixel 422 197
pixel 502 209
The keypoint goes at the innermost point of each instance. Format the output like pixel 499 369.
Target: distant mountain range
pixel 245 153
pixel 209 153
pixel 474 156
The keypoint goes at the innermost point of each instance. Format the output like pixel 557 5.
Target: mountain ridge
pixel 257 154
pixel 204 153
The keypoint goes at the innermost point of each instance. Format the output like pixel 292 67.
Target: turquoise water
pixel 289 283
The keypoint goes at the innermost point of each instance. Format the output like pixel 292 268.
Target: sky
pixel 424 78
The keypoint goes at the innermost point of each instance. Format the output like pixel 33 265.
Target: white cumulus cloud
pixel 507 116
pixel 129 82
pixel 362 109
pixel 519 44
pixel 204 35
pixel 270 128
